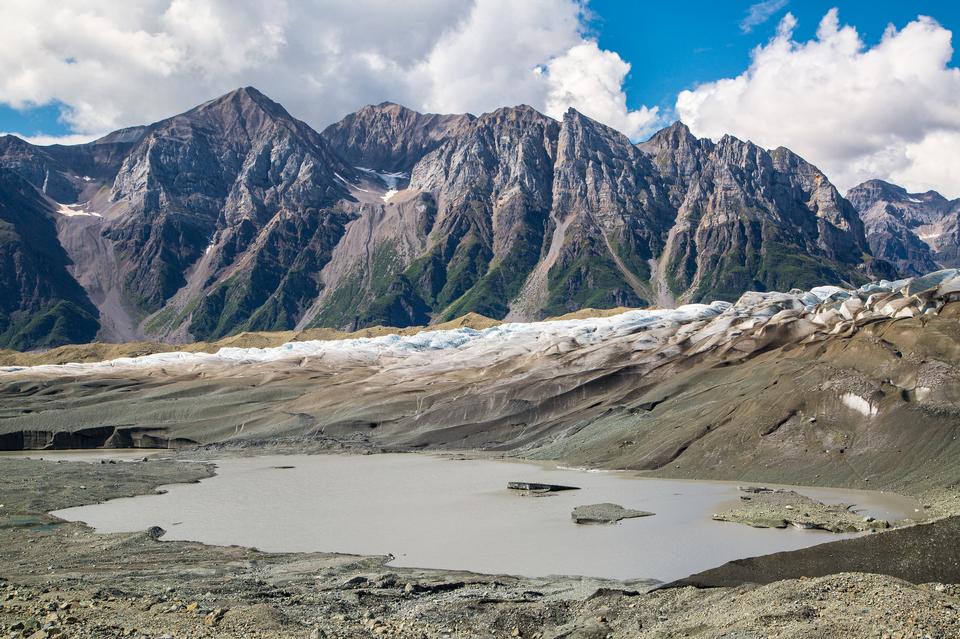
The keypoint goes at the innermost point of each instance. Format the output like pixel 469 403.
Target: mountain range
pixel 916 232
pixel 235 216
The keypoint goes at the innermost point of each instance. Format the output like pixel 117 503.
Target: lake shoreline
pixel 411 506
pixel 322 594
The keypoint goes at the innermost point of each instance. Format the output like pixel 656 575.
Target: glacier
pixel 823 309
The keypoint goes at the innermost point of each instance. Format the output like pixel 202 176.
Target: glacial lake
pixel 437 512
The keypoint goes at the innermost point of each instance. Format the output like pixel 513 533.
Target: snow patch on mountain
pixel 75 210
pixel 859 404
pixel 392 180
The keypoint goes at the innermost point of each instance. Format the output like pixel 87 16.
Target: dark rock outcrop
pixel 920 554
pixel 605 514
pixel 40 303
pixel 534 487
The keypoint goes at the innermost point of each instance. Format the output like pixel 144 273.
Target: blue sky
pixel 671 46
pixel 822 78
pixel 40 120
pixel 675 45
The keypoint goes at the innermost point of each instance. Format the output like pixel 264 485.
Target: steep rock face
pixel 391 137
pixel 493 193
pixel 475 211
pixel 35 165
pixel 529 219
pixel 40 302
pixel 748 218
pixel 614 219
pixel 917 232
pixel 236 216
pixel 212 221
pixel 76 179
pixel 67 174
pixel 230 178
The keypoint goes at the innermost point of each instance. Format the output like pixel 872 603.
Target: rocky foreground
pixel 59 579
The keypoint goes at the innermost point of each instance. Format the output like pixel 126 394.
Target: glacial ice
pixel 827 309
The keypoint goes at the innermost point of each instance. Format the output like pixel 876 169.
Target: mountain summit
pixel 237 216
pixel 916 232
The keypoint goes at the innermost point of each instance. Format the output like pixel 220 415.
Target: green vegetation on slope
pixel 59 322
pixel 271 293
pixel 492 293
pixel 381 296
pixel 589 281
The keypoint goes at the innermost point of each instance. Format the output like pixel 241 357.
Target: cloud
pixel 46 140
pixel 590 80
pixel 119 64
pixel 760 12
pixel 890 111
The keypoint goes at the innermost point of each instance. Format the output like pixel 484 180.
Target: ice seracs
pixel 796 316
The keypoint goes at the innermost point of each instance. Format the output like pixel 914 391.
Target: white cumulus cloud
pixel 46 140
pixel 889 111
pixel 590 80
pixel 118 64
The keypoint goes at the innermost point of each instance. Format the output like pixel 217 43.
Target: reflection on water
pixel 433 512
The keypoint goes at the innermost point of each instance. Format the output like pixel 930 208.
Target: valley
pixel 296 351
pixel 833 387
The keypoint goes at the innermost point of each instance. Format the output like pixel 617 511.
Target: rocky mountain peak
pixel 241 114
pixel 123 136
pixel 522 113
pixel 675 151
pixel 579 132
pixel 237 216
pixel 866 194
pixel 391 137
pixel 246 98
pixel 879 187
pixel 12 141
pixel 208 185
pixel 674 136
pixel 918 232
pixel 573 118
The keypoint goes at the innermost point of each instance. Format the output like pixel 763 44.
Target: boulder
pixel 605 514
